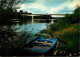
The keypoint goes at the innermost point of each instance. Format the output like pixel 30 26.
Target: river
pixel 31 27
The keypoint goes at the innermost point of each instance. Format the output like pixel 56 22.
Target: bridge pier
pixel 32 19
pixel 52 21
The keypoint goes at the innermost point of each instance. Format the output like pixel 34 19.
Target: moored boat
pixel 41 46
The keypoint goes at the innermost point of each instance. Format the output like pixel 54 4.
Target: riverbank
pixel 66 30
pixel 68 40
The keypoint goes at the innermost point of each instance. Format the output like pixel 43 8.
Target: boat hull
pixel 40 46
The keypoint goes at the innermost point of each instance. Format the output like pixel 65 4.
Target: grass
pixel 69 35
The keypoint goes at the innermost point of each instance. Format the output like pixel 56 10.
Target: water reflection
pixel 33 28
pixel 30 27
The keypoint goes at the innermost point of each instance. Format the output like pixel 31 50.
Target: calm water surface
pixel 30 27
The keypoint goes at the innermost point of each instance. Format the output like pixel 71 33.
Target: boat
pixel 41 46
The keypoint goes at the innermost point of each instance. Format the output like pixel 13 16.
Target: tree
pixel 11 3
pixel 21 11
pixel 8 9
pixel 76 15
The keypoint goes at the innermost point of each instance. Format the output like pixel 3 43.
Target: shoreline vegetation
pixel 11 42
pixel 66 30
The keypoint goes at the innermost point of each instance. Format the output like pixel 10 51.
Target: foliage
pixel 67 20
pixel 66 30
pixel 46 33
pixel 11 42
pixel 70 36
pixel 14 4
pixel 8 11
pixel 7 15
pixel 70 30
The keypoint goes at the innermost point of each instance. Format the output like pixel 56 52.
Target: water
pixel 33 28
pixel 30 27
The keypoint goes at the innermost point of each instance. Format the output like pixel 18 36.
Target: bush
pixel 67 20
pixel 11 42
pixel 6 16
pixel 70 36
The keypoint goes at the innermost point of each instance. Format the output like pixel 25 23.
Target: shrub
pixel 11 42
pixel 70 36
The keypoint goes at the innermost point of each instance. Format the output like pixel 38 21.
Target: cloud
pixel 50 6
pixel 74 4
pixel 67 7
pixel 53 10
pixel 37 6
pixel 30 1
pixel 54 3
pixel 62 8
pixel 33 7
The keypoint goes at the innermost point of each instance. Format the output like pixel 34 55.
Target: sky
pixel 49 6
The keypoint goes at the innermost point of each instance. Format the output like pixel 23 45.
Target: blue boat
pixel 41 46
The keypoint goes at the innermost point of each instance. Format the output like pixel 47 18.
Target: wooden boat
pixel 41 46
